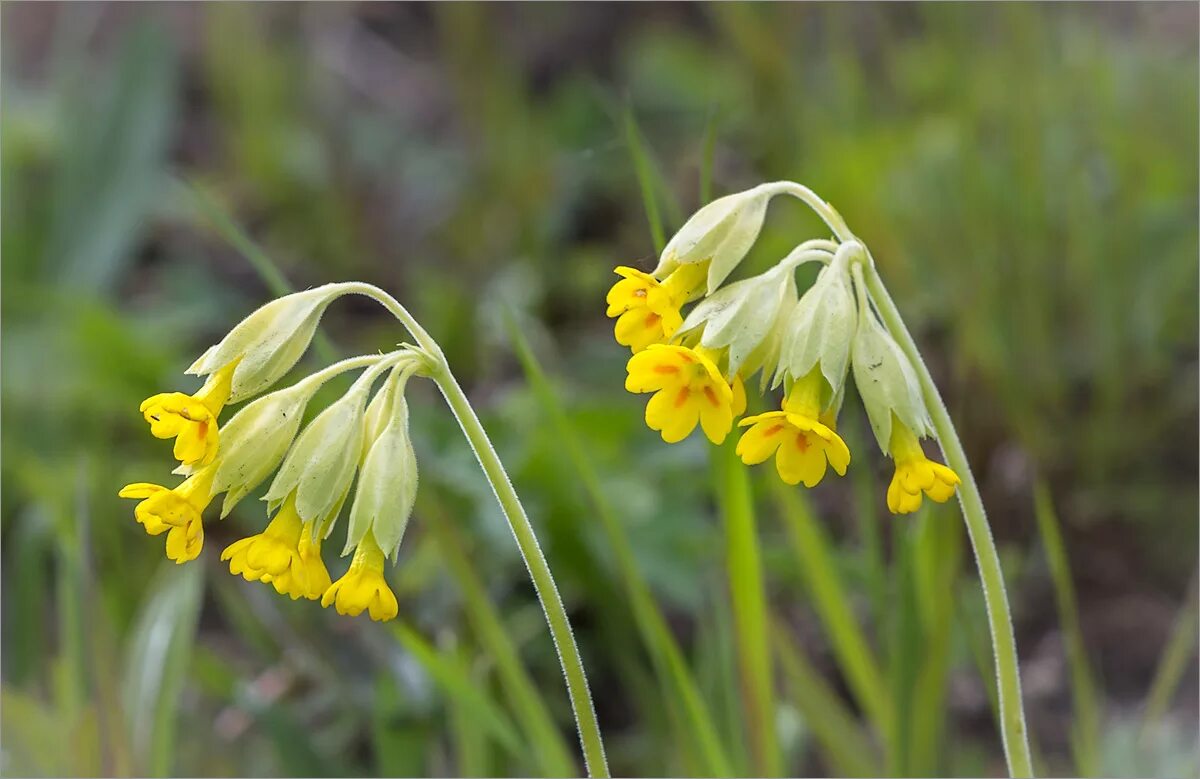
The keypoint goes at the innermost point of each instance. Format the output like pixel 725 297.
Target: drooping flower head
pixel 177 512
pixel 191 419
pixel 286 555
pixel 646 309
pixel 363 587
pixel 688 390
pixel 802 443
pixel 915 473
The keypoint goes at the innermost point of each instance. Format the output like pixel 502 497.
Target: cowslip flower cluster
pixel 696 365
pixel 365 432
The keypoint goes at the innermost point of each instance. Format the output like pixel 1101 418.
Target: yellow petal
pixel 762 440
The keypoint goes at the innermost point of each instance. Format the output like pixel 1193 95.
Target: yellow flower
pixel 687 389
pixel 363 588
pixel 177 512
pixel 802 440
pixel 915 473
pixel 191 419
pixel 285 555
pixel 647 310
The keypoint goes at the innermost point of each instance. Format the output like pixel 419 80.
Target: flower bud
pixel 387 486
pixel 321 464
pixel 742 315
pixel 886 382
pixel 255 440
pixel 722 231
pixel 268 342
pixel 820 329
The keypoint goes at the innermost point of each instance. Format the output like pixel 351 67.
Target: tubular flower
pixel 284 555
pixel 915 473
pixel 687 389
pixel 803 443
pixel 646 309
pixel 176 512
pixel 191 419
pixel 363 588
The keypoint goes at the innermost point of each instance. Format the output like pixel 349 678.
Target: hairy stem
pixel 522 530
pixel 1004 645
pixel 539 571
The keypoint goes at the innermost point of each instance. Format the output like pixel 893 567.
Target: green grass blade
pixel 550 749
pixel 939 561
pixel 708 156
pixel 655 633
pixel 748 595
pixel 157 663
pixel 1085 730
pixel 1173 663
pixel 845 747
pixel 815 555
pixel 647 178
pixel 266 269
pixel 455 679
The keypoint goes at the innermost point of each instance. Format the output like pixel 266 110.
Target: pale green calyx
pixel 268 342
pixel 256 439
pixel 820 328
pixel 387 486
pixel 722 231
pixel 321 464
pixel 742 315
pixel 886 381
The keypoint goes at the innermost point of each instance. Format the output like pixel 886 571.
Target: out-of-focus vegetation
pixel 1025 175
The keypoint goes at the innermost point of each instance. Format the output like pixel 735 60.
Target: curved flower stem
pixel 1004 645
pixel 522 530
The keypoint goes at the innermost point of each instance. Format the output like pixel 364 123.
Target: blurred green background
pixel 1025 175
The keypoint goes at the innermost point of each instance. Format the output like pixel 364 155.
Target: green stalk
pixel 1012 711
pixel 539 570
pixel 514 512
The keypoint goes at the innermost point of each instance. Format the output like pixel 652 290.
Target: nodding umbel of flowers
pixel 363 587
pixel 802 443
pixel 647 310
pixel 177 511
pixel 688 389
pixel 191 419
pixel 915 473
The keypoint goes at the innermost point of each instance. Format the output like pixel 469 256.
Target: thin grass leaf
pixel 157 662
pixel 1085 729
pixel 466 696
pixel 1172 664
pixel 747 590
pixel 939 560
pixel 646 176
pixel 845 747
pixel 652 625
pixel 276 282
pixel 550 751
pixel 816 558
pixel 471 749
pixel 905 646
pixel 708 155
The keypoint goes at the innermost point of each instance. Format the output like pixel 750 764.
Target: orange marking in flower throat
pixel 682 397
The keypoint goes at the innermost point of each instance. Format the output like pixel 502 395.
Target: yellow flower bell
pixel 688 389
pixel 915 473
pixel 646 309
pixel 284 555
pixel 177 512
pixel 802 441
pixel 363 587
pixel 191 419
